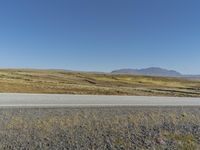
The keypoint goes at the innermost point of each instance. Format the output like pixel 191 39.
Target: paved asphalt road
pixel 60 100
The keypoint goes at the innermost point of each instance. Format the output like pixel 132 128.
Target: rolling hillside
pixel 66 82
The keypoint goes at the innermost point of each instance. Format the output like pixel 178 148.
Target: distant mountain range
pixel 152 71
pixel 155 71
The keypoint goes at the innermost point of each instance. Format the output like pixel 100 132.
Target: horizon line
pixel 92 71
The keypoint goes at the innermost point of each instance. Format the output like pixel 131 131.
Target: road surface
pixel 61 100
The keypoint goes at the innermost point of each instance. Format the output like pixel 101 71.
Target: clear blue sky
pixel 100 35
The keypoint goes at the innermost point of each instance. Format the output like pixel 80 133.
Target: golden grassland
pixel 63 82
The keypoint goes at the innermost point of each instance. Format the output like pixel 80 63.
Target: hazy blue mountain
pixel 152 71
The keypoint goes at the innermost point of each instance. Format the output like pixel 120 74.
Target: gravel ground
pixel 100 128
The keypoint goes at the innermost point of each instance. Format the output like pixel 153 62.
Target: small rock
pixel 160 141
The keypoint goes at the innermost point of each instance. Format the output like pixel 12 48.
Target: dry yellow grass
pixel 58 81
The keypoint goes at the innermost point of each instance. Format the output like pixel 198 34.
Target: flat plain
pixel 66 82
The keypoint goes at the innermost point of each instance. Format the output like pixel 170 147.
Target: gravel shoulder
pixel 100 128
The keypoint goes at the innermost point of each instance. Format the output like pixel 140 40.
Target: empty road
pixel 60 100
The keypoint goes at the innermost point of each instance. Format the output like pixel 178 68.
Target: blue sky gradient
pixel 100 35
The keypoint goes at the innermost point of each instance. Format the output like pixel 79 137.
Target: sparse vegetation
pixel 58 81
pixel 100 128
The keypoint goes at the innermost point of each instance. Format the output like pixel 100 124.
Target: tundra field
pixel 63 82
pixel 109 128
